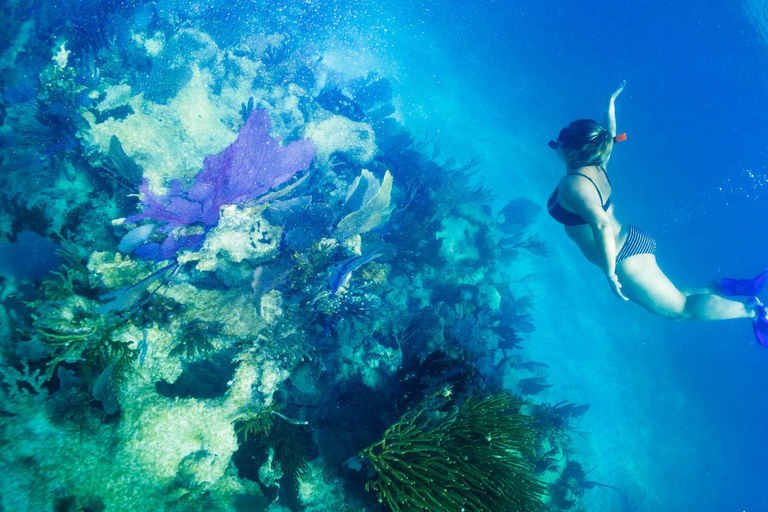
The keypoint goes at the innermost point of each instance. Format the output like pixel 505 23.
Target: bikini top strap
pixel 602 168
pixel 592 181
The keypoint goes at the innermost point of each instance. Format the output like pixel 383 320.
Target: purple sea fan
pixel 245 170
pixel 248 168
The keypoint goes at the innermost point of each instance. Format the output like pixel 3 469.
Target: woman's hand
pixel 616 93
pixel 616 286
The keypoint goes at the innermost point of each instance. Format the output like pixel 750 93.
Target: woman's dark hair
pixel 585 142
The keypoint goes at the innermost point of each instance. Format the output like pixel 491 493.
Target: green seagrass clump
pixel 474 458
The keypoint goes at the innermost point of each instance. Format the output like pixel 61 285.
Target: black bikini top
pixel 567 218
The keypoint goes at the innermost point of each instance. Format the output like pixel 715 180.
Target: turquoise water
pixel 129 383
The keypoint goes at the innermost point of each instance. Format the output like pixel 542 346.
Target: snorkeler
pixel 625 253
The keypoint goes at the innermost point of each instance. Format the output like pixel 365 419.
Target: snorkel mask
pixel 561 139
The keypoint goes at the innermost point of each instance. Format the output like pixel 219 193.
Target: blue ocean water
pixel 678 417
pixel 692 173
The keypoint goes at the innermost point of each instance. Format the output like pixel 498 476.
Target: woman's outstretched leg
pixel 707 306
pixel 645 284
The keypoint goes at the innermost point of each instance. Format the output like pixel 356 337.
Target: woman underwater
pixel 625 253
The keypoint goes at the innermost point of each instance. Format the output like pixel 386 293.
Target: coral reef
pixel 340 135
pixel 245 270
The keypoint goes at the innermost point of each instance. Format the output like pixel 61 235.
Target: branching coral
pixel 471 458
pixel 358 305
pixel 194 339
pixel 257 424
pixel 353 304
pixel 437 374
pixel 551 421
pixel 532 385
pixel 21 387
pixel 458 187
pixel 517 215
pixel 287 340
pixel 72 276
pixel 569 489
pixel 82 337
pixel 311 264
pixel 533 244
pixel 60 285
pixel 269 428
pixel 375 274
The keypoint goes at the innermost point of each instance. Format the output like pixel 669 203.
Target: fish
pixel 342 272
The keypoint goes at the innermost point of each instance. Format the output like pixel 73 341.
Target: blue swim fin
pixel 744 287
pixel 760 322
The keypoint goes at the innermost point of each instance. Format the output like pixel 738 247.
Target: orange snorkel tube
pixel 620 137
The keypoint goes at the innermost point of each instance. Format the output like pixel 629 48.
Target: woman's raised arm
pixel 609 116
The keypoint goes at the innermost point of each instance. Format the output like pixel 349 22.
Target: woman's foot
pixel 760 321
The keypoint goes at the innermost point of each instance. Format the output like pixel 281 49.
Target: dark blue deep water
pixel 679 412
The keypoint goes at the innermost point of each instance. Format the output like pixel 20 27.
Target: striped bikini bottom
pixel 638 242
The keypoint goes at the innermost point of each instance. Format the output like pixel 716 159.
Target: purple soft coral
pixel 248 168
pixel 245 170
pixel 173 210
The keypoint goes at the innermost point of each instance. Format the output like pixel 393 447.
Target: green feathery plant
pixel 473 458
